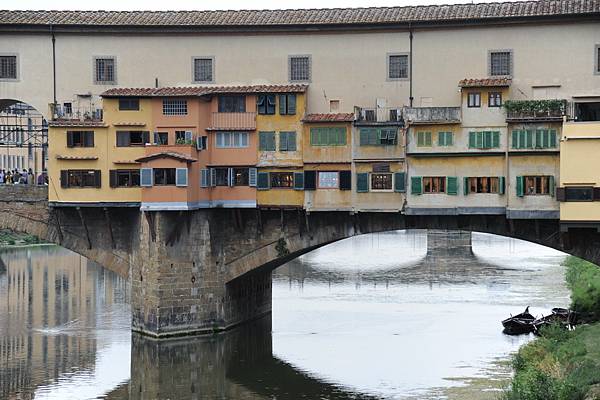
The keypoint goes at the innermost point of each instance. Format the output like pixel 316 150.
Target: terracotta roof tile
pixel 167 154
pixel 77 123
pixel 339 117
pixel 76 158
pixel 190 91
pixel 485 82
pixel 299 17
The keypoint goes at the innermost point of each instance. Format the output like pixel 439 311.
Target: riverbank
pixel 564 365
pixel 10 239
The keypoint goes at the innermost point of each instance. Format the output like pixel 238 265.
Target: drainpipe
pixel 410 66
pixel 53 71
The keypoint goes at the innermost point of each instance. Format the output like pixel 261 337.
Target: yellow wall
pixel 280 197
pixel 377 201
pixel 327 199
pixel 580 166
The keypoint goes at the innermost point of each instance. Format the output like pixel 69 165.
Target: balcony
pixel 237 121
pixel 431 115
pixel 535 110
pixel 378 116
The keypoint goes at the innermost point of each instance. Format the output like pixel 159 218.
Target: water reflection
pixel 377 316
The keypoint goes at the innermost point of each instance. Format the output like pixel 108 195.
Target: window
pixel 266 141
pixel 282 180
pixel 221 176
pixel 381 182
pixel 287 141
pixel 299 68
pixel 124 178
pixel 232 104
pixel 484 140
pixel 174 107
pixel 587 111
pixel 132 138
pixel 334 106
pixel 328 180
pixel 483 185
pixel 129 104
pixel 105 71
pixel 535 185
pixel 287 104
pixel 445 139
pixel 161 138
pixel 203 69
pixel 164 176
pixel 597 59
pixel 227 140
pixel 579 193
pixel 80 139
pixel 266 104
pixel 8 67
pixel 378 136
pixel 494 99
pixel 68 108
pixel 434 184
pixel 424 139
pixel 80 178
pixel 328 136
pixel 530 139
pixel 241 176
pixel 397 66
pixel 180 137
pixel 500 63
pixel 474 100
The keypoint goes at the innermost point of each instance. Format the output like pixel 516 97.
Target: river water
pixel 372 317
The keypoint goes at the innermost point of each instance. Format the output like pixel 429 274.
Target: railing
pixel 233 121
pixel 71 113
pixel 378 114
pixel 537 110
pixel 536 115
pixel 429 115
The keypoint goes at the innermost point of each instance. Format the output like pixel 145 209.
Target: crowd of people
pixel 24 177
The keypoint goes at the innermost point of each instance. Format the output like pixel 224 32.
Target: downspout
pixel 410 66
pixel 53 71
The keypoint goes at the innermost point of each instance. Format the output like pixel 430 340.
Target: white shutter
pixel 189 135
pixel 252 177
pixel 146 177
pixel 156 138
pixel 230 176
pixel 199 143
pixel 181 177
pixel 213 177
pixel 204 178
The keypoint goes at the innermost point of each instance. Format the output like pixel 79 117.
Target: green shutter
pixel 551 186
pixel 291 104
pixel 466 186
pixel 515 139
pixel 501 185
pixel 291 141
pixel 487 140
pixel 270 141
pixel 520 186
pixel 495 139
pixel 399 182
pixel 552 134
pixel 428 141
pixel 283 141
pixel 415 185
pixel 472 140
pixel 314 136
pixel 263 181
pixel 539 139
pixel 441 138
pixel 362 182
pixel 341 133
pixel 420 139
pixel 298 180
pixel 364 136
pixel 529 139
pixel 282 104
pixel 452 185
pixel 262 141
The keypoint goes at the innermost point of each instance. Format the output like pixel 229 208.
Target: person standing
pixel 1 177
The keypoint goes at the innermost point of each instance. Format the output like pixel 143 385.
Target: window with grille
pixel 500 63
pixel 282 179
pixel 203 69
pixel 397 66
pixel 434 184
pixel 299 68
pixel 483 184
pixel 228 140
pixel 105 70
pixel 174 107
pixel 328 180
pixel 8 67
pixel 381 181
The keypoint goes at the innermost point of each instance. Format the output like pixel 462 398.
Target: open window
pixel 587 111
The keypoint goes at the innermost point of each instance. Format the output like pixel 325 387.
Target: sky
pixel 206 5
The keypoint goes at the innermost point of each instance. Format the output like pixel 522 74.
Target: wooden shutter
pixel 298 180
pixel 345 180
pixel 552 138
pixel 112 175
pixel 181 177
pixel 271 141
pixel 123 139
pixel 314 133
pixel 291 104
pixel 452 185
pixel 520 186
pixel 146 137
pixel 97 178
pixel 270 107
pixel 252 177
pixel 362 182
pixel 146 177
pixel 88 139
pixel 363 136
pixel 515 139
pixel 539 139
pixel 529 139
pixel 69 139
pixel 551 186
pixel 204 178
pixel 262 141
pixel 561 195
pixel 310 180
pixel 283 141
pixel 428 141
pixel 487 140
pixel 501 185
pixel 282 104
pixel 400 182
pixel 263 181
pixel 213 177
pixel 466 186
pixel 230 180
pixel 261 104
pixel 416 185
pixel 495 139
pixel 64 178
pixel 291 141
pixel 189 135
pixel 472 140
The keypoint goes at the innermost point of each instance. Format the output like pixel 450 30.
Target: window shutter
pixel 399 182
pixel 428 142
pixel 529 139
pixel 261 104
pixel 252 177
pixel 515 139
pixel 181 177
pixel 263 181
pixel 97 178
pixel 188 136
pixel 562 196
pixel 270 107
pixel 64 178
pixel 520 186
pixel 472 140
pixel 283 141
pixel 122 139
pixel 345 180
pixel 291 104
pixel 310 180
pixel 112 178
pixel 199 146
pixel 551 186
pixel 204 178
pixel 156 138
pixel 452 185
pixel 362 182
pixel 69 139
pixel 501 185
pixel 363 136
pixel 495 139
pixel 146 137
pixel 213 177
pixel 146 177
pixel 466 186
pixel 282 104
pixel 230 177
pixel 298 180
pixel 552 138
pixel 271 141
pixel 262 141
pixel 88 139
pixel 487 140
pixel 291 141
pixel 415 185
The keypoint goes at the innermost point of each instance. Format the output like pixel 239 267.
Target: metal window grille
pixel 500 63
pixel 174 107
pixel 300 68
pixel 398 66
pixel 8 67
pixel 105 70
pixel 203 70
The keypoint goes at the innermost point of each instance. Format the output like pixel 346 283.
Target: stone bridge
pixel 202 271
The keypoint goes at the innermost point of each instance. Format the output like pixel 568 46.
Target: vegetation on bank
pixel 561 364
pixel 10 238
